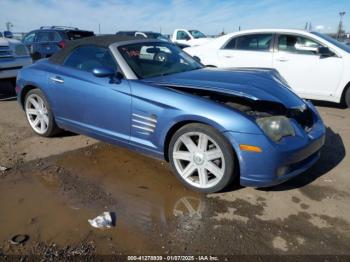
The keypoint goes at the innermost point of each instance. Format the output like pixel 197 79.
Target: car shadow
pixel 328 104
pixel 66 133
pixel 332 154
pixel 7 90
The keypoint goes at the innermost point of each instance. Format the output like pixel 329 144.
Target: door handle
pixel 57 79
pixel 228 56
pixel 282 59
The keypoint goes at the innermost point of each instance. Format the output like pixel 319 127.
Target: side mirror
pixel 8 34
pixel 103 72
pixel 324 52
pixel 197 59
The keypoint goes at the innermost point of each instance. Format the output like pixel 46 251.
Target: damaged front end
pixel 269 160
pixel 275 134
pixel 272 117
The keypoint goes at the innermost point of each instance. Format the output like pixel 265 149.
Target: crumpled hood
pixel 256 84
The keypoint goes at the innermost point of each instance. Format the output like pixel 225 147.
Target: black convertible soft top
pixel 102 41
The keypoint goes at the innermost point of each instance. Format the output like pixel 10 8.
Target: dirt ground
pixel 53 186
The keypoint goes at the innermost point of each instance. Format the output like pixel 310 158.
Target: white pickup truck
pixel 13 56
pixel 189 37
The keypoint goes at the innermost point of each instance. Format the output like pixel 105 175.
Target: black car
pixel 149 34
pixel 47 40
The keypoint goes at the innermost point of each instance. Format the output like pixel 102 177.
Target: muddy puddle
pixel 52 199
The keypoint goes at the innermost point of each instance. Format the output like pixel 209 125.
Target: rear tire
pixel 202 158
pixel 39 114
pixel 347 97
pixel 36 56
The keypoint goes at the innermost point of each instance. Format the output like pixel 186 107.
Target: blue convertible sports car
pixel 211 125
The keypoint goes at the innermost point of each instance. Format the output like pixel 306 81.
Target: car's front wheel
pixel 202 158
pixel 39 114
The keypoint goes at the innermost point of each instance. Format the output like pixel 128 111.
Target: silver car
pixel 13 56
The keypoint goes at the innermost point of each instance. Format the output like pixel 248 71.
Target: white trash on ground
pixel 103 221
pixel 3 168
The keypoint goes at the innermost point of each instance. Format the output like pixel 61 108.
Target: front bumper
pixel 9 68
pixel 277 162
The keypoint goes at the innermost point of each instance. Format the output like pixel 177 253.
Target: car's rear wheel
pixel 202 158
pixel 36 56
pixel 347 97
pixel 39 114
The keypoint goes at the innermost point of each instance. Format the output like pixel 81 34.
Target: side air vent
pixel 144 124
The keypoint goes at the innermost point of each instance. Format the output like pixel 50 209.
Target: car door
pixel 28 40
pixel 309 74
pixel 88 103
pixel 251 50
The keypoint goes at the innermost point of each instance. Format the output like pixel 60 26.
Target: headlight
pixel 276 127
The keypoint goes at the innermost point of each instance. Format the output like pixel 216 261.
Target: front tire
pixel 39 114
pixel 202 158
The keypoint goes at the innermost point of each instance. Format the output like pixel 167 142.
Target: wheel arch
pixel 172 130
pixel 31 86
pixel 25 91
pixel 177 126
pixel 51 127
pixel 342 98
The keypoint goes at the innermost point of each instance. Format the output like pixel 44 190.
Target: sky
pixel 208 16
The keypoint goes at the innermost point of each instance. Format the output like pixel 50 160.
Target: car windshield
pixel 153 59
pixel 197 34
pixel 333 41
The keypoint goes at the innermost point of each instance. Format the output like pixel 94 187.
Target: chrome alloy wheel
pixel 199 159
pixel 37 113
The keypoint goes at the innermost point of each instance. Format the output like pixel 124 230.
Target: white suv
pixel 13 56
pixel 316 66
